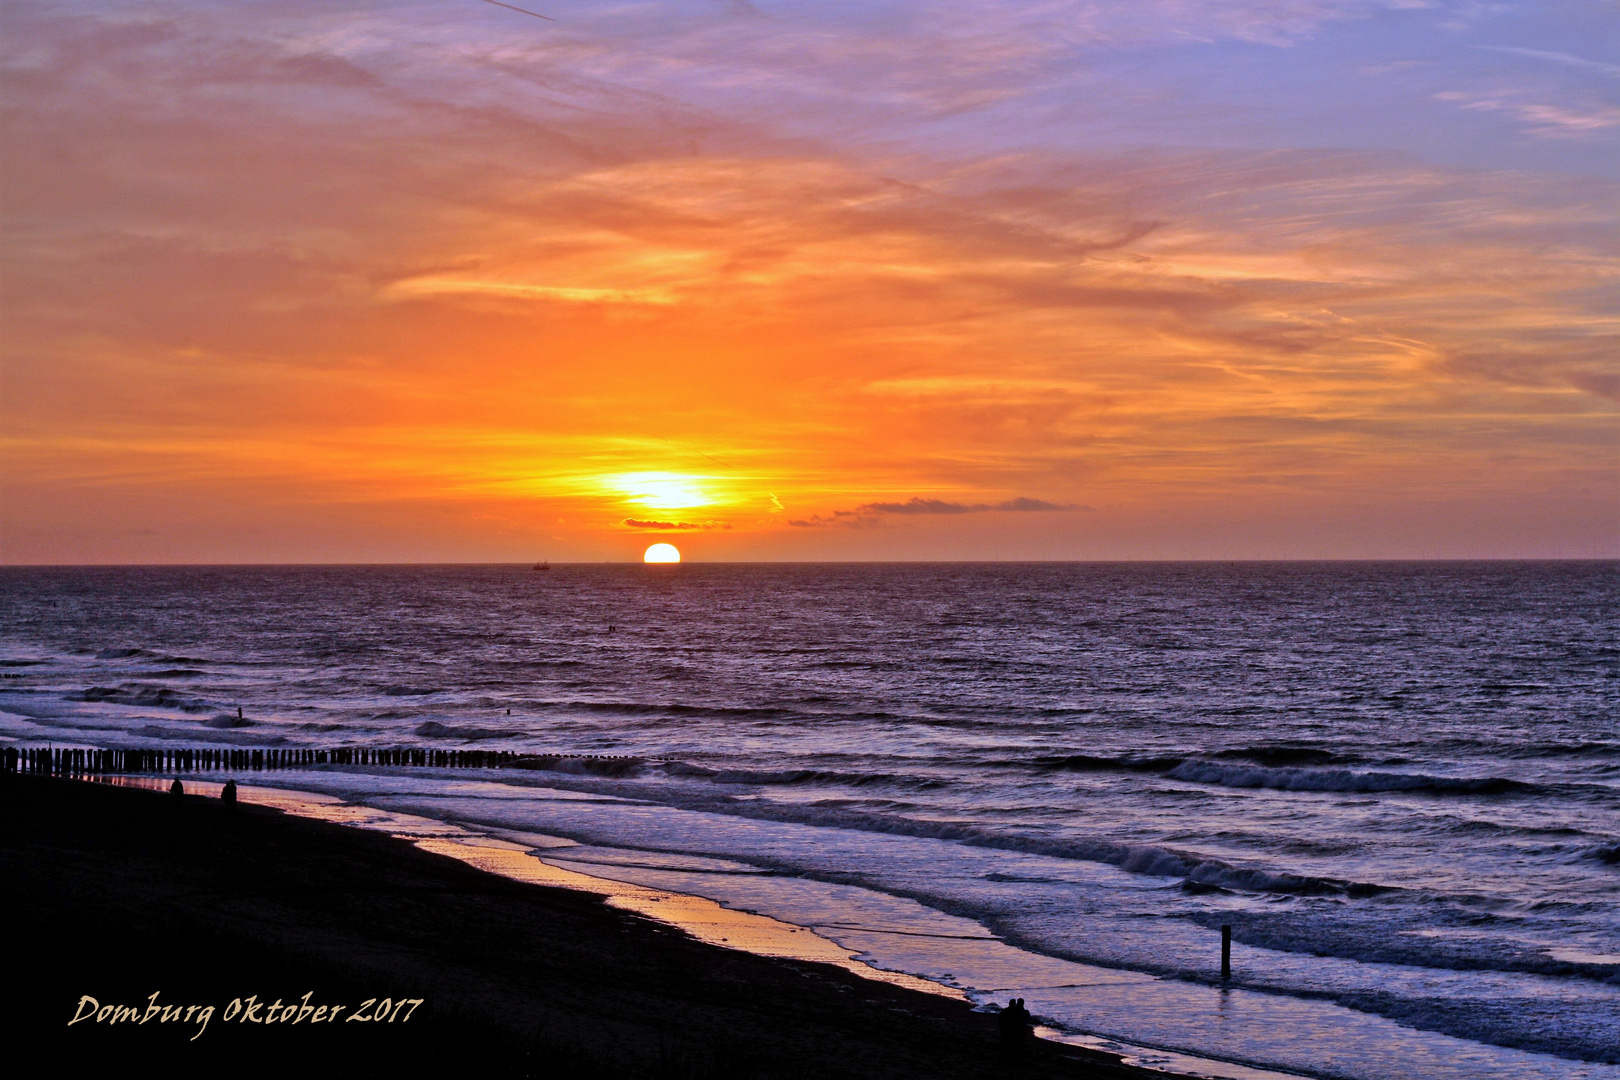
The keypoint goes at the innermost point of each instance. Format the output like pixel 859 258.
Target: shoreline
pixel 130 891
pixel 705 919
pixel 499 849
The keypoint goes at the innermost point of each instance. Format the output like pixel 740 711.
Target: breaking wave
pixel 1147 859
pixel 432 729
pixel 765 777
pixel 144 695
pixel 1282 768
pixel 581 765
pixel 1299 779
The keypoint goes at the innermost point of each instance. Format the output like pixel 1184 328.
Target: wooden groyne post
pixel 72 761
pixel 1226 951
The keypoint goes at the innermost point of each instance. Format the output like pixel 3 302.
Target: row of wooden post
pixel 69 761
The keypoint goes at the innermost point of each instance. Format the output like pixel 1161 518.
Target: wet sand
pixel 118 893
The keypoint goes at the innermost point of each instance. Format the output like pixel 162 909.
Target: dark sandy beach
pixel 117 893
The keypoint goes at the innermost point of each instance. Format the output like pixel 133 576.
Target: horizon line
pixel 829 562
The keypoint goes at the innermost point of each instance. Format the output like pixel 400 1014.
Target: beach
pixel 121 893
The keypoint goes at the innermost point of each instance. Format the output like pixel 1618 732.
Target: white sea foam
pixel 894 932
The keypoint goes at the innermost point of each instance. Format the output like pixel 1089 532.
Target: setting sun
pixel 662 553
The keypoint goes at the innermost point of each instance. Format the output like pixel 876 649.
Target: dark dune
pixel 117 893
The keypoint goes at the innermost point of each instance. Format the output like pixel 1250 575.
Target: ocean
pixel 1398 783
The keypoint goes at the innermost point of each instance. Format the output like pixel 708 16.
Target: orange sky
pixel 429 282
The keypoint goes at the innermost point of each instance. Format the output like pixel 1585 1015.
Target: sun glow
pixel 662 553
pixel 661 490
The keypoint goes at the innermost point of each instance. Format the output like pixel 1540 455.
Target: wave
pixel 797 776
pixel 180 734
pixel 1300 768
pixel 1197 872
pixel 1570 749
pixel 227 720
pixel 634 708
pixel 1146 859
pixel 1475 827
pixel 632 766
pixel 770 776
pixel 144 695
pixel 1087 763
pixel 824 776
pixel 131 653
pixel 432 729
pixel 1373 942
pixel 1287 755
pixel 1608 854
pixel 684 768
pixel 581 765
pixel 1267 755
pixel 1288 930
pixel 1295 779
pixel 1467 1020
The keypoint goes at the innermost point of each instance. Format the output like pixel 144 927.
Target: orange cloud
pixel 318 292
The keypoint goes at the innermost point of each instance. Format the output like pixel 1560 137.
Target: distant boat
pixel 542 566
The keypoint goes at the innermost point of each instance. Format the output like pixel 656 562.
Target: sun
pixel 662 553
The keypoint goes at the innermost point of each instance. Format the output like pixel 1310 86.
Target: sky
pixel 413 281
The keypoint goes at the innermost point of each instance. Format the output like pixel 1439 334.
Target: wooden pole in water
pixel 1226 952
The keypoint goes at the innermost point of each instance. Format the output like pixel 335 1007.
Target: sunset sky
pixel 288 280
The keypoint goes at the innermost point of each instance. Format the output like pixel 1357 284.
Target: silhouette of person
pixel 227 794
pixel 176 789
pixel 1014 1029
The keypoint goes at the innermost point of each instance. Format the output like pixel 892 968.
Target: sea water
pixel 1399 784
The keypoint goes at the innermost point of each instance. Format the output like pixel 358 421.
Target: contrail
pixel 1557 57
pixel 521 11
pixel 693 450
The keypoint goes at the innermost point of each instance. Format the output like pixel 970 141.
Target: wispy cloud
pixel 412 267
pixel 1539 118
pixel 569 294
pixel 916 505
pixel 682 526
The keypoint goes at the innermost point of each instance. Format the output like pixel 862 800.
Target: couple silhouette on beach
pixel 1014 1025
pixel 227 794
